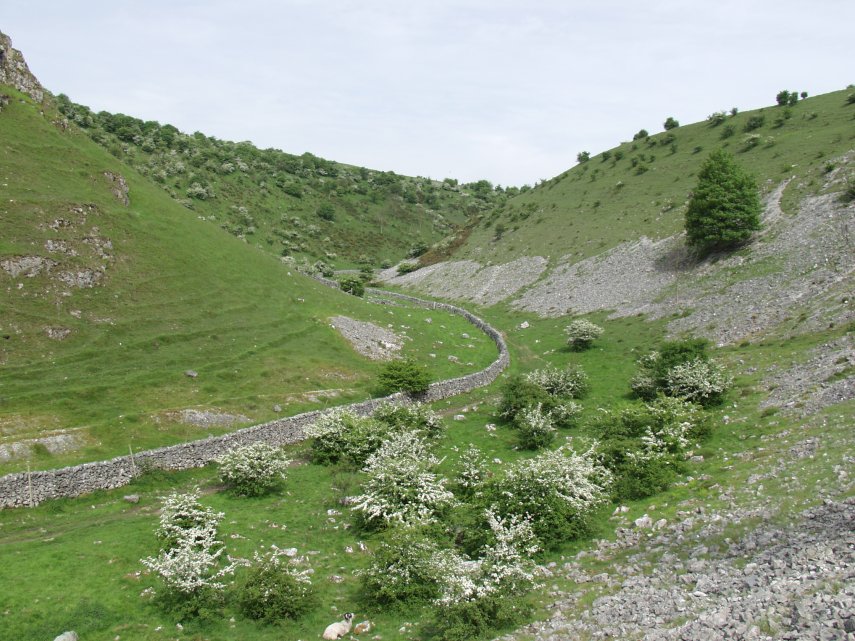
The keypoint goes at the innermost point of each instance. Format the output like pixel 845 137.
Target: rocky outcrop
pixel 15 72
pixel 119 187
pixel 369 339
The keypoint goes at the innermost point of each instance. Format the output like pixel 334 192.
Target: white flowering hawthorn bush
pixel 581 333
pixel 274 588
pixel 190 564
pixel 536 427
pixel 645 446
pixel 567 382
pixel 699 381
pixel 558 490
pixel 472 472
pixel 341 435
pixel 182 513
pixel 253 470
pixel 478 594
pixel 416 417
pixel 401 487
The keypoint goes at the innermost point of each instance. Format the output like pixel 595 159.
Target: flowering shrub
pixel 536 427
pixel 550 389
pixel 558 490
pixel 253 469
pixel 473 471
pixel 414 417
pixel 189 565
pixel 681 369
pixel 581 333
pixel 699 381
pixel 182 513
pixel 478 595
pixel 570 382
pixel 645 446
pixel 342 435
pixel 192 564
pixel 401 488
pixel 274 589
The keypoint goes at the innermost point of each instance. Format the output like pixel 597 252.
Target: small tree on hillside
pixel 671 123
pixel 724 208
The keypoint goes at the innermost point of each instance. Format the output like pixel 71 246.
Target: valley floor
pixel 769 556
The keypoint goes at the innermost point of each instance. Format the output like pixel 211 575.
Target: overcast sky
pixel 504 90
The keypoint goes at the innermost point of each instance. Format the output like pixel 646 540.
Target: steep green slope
pixel 106 307
pixel 640 188
pixel 301 206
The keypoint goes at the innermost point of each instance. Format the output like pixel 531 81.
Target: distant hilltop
pixel 15 72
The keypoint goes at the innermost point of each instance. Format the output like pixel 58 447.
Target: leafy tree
pixel 724 208
pixel 352 285
pixel 642 133
pixel 583 156
pixel 670 123
pixel 326 211
pixel 783 98
pixel 403 376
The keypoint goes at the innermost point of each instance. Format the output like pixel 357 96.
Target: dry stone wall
pixel 24 489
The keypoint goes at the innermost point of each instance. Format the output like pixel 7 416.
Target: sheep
pixel 338 629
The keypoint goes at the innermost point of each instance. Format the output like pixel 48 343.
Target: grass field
pixel 51 543
pixel 175 294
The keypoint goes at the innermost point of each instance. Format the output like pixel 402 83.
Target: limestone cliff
pixel 15 72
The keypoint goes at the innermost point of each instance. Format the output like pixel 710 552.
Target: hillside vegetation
pixel 108 306
pixel 641 187
pixel 301 206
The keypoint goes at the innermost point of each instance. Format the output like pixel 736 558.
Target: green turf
pixel 176 295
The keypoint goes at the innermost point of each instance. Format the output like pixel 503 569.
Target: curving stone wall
pixel 24 489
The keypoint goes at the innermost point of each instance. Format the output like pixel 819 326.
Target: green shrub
pixel 253 470
pixel 402 570
pixel 754 122
pixel 583 156
pixel 273 590
pixel 403 376
pixel 670 123
pixel 519 393
pixel 641 134
pixel 326 211
pixel 352 285
pixel 407 267
pixel 417 249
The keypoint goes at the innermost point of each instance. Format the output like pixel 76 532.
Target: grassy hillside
pixel 301 206
pixel 106 306
pixel 641 187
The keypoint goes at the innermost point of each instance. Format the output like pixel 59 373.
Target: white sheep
pixel 338 629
